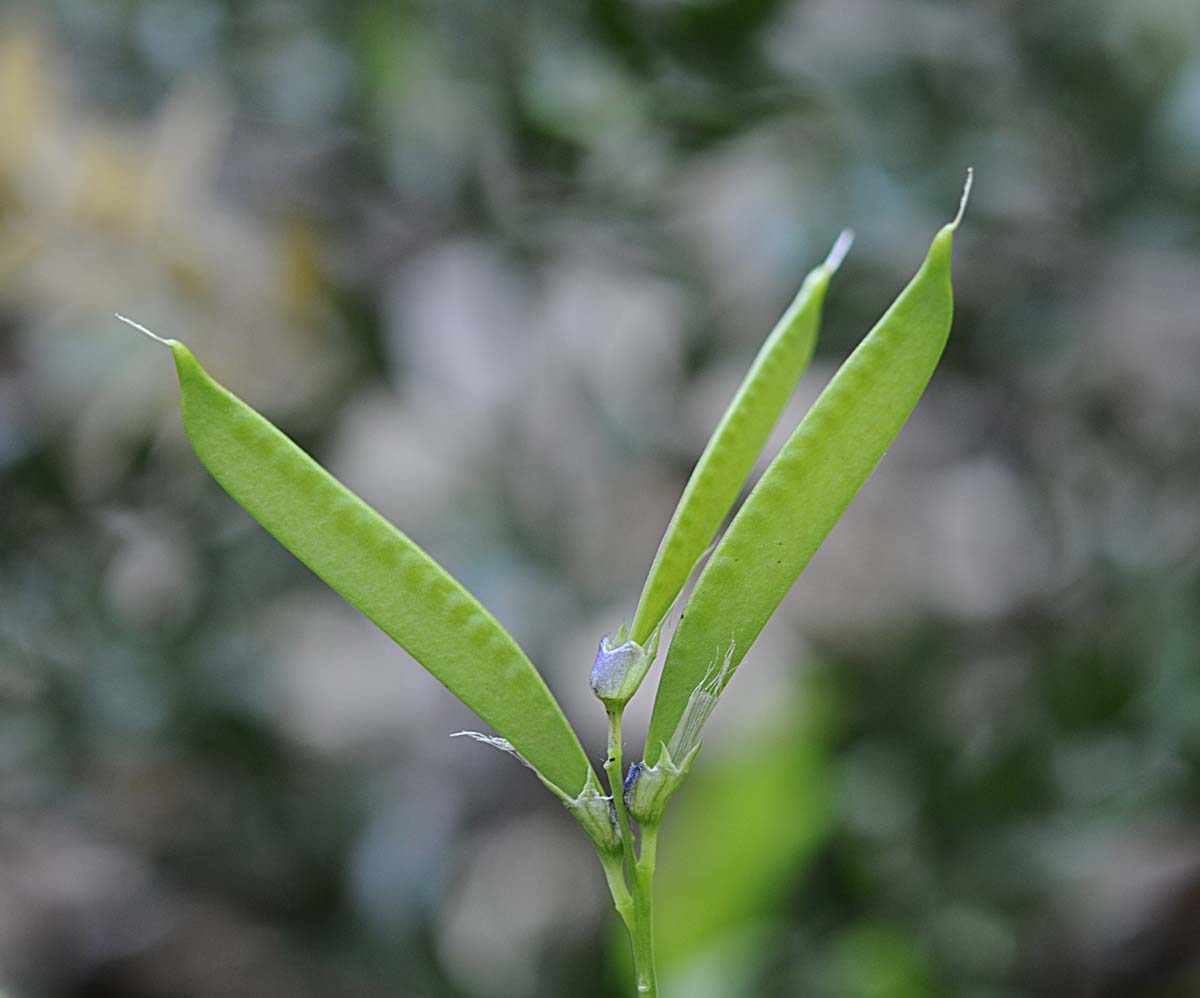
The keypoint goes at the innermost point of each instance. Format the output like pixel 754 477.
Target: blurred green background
pixel 500 266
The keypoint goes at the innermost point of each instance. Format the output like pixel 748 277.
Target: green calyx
pixel 597 816
pixel 648 788
pixel 620 666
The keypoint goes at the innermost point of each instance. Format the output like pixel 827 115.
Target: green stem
pixel 636 905
pixel 643 909
pixel 614 873
pixel 616 783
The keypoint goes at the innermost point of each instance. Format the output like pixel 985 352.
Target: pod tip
pixel 966 196
pixel 840 248
pixel 138 326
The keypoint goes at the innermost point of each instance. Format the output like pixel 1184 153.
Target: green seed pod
pixel 809 484
pixel 735 445
pixel 380 571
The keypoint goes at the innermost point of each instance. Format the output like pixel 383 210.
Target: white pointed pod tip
pixel 140 328
pixel 966 196
pixel 837 253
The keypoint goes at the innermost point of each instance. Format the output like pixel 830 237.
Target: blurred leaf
pixel 875 960
pixel 741 830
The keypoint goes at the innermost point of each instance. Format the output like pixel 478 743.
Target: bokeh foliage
pixel 540 241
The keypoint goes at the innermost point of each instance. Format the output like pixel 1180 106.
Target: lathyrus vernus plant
pixel 787 515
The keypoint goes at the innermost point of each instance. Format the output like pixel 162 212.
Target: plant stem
pixel 643 909
pixel 614 873
pixel 615 771
pixel 633 897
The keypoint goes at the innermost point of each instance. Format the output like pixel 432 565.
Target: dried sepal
pixel 594 811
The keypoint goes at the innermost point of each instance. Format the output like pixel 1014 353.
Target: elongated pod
pixel 734 446
pixel 379 570
pixel 807 487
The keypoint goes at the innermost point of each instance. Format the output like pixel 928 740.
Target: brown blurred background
pixel 500 266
